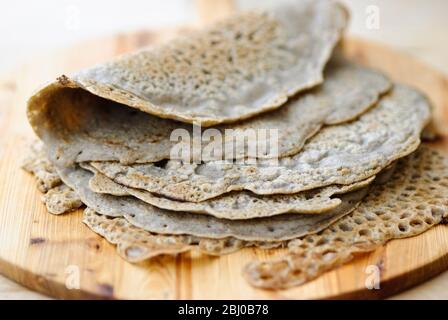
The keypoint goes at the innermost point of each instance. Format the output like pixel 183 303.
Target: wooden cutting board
pixel 59 256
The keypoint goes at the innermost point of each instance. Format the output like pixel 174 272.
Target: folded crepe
pixel 135 244
pixel 403 202
pixel 107 134
pixel 341 154
pixel 236 205
pixel 153 219
pixel 411 202
pixel 248 64
pixel 102 130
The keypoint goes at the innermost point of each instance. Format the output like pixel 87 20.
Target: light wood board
pixel 46 253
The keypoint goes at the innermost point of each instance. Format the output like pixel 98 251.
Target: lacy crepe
pixel 341 154
pixel 153 219
pixel 103 130
pixel 245 65
pixel 411 202
pixel 236 205
pixel 407 201
pixel 346 177
pixel 135 244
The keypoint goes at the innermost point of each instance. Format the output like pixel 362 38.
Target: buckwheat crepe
pixel 341 154
pixel 405 202
pixel 327 168
pixel 135 244
pixel 37 163
pixel 411 202
pixel 61 199
pixel 236 205
pixel 153 219
pixel 88 128
pixel 245 65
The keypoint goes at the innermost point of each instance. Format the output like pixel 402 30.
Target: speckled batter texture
pixel 37 163
pixel 411 202
pixel 242 66
pixel 341 154
pixel 236 205
pixel 89 128
pixel 57 197
pixel 135 244
pixel 61 199
pixel 153 219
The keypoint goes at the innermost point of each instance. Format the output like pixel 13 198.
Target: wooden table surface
pixel 425 39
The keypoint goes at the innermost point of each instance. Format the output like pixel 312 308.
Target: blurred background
pixel 30 28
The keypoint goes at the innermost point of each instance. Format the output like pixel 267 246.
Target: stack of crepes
pixel 348 172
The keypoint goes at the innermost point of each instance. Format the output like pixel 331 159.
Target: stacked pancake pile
pixel 330 162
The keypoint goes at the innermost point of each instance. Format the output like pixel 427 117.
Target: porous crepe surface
pixel 135 244
pixel 411 202
pixel 347 92
pixel 247 64
pixel 37 163
pixel 341 154
pixel 61 199
pixel 106 130
pixel 57 197
pixel 235 205
pixel 153 219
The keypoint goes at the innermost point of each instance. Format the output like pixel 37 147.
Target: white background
pixel 28 27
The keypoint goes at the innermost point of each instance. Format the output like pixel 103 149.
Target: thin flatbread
pixel 410 203
pixel 106 130
pixel 58 198
pixel 161 221
pixel 135 244
pixel 341 154
pixel 61 199
pixel 37 163
pixel 236 205
pixel 242 66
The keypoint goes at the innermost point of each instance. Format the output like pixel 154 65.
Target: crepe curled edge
pixel 340 154
pixel 132 243
pixel 40 167
pixel 236 205
pixel 200 85
pixel 88 128
pixel 153 219
pixel 141 214
pixel 420 178
pixel 413 201
pixel 57 197
pixel 135 244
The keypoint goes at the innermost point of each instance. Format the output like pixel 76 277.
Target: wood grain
pixel 44 252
